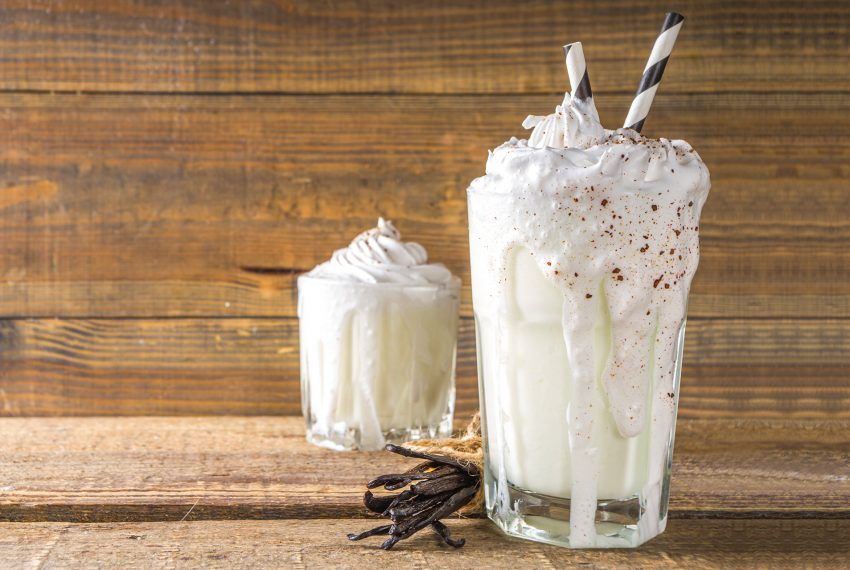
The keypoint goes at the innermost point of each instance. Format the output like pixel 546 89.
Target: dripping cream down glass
pixel 378 327
pixel 582 256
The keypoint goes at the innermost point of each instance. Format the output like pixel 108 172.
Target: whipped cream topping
pixel 611 219
pixel 575 123
pixel 378 255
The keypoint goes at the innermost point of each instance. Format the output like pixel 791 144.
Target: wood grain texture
pixel 210 206
pixel 692 544
pixel 169 168
pixel 734 368
pixel 477 46
pixel 155 469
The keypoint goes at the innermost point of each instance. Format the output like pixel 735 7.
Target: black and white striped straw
pixel 577 70
pixel 653 71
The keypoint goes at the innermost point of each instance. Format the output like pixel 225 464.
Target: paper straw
pixel 577 70
pixel 653 71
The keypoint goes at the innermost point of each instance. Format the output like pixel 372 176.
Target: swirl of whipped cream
pixel 574 124
pixel 379 256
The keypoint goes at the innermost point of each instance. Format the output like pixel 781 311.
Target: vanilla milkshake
pixel 583 245
pixel 378 327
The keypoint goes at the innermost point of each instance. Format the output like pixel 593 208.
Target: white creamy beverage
pixel 583 245
pixel 378 327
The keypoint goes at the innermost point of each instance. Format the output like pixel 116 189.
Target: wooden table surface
pixel 247 492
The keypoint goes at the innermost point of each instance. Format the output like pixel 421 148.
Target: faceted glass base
pixel 543 518
pixel 343 438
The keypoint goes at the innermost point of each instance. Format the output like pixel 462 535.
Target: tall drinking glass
pixel 581 265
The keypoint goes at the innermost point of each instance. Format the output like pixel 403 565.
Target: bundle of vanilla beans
pixel 447 481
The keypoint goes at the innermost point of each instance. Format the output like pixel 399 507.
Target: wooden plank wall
pixel 169 167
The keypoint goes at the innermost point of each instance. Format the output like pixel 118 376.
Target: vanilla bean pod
pixel 436 488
